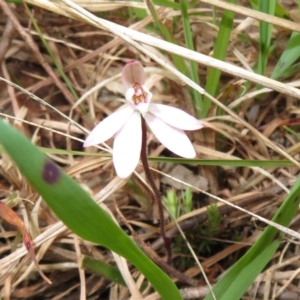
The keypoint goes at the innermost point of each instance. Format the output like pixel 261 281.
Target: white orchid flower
pixel 166 122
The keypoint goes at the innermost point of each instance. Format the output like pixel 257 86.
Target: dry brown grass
pixel 92 53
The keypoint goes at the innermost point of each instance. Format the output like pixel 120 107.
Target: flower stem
pixel 155 191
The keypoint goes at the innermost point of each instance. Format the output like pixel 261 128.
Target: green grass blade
pixel 220 50
pixel 238 278
pixel 167 3
pixel 79 212
pixel 225 162
pixel 177 160
pixel 290 54
pixel 280 11
pixel 102 268
pixel 265 30
pixel 58 66
pixel 178 60
pixel 14 1
pixel 197 98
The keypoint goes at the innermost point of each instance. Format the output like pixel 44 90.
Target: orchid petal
pixel 175 117
pixel 127 146
pixel 109 126
pixel 132 73
pixel 172 138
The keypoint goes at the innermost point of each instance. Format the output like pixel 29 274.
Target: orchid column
pixel 127 125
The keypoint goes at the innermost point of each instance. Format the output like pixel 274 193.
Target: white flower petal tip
pixel 189 152
pixel 91 140
pixel 175 117
pixel 87 143
pixel 127 146
pixel 109 126
pixel 133 73
pixel 172 138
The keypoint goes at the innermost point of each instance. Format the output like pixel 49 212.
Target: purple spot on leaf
pixel 51 172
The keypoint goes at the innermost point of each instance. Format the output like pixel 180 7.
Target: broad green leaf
pixel 79 212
